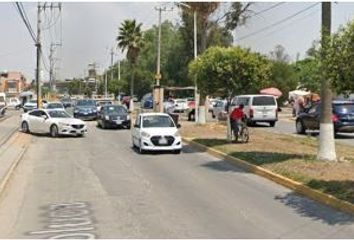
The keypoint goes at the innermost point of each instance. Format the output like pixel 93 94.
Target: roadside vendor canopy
pixel 297 93
pixel 271 91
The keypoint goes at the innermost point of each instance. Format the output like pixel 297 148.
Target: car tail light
pixel 335 118
pixel 251 113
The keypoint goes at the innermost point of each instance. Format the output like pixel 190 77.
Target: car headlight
pixel 177 134
pixel 128 117
pixel 106 117
pixel 76 111
pixel 145 134
pixel 64 124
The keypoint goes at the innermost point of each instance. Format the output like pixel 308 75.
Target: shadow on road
pixel 222 166
pixel 311 209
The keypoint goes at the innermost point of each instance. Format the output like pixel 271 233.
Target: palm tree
pixel 130 38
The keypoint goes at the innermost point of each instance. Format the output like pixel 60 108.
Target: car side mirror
pixel 178 125
pixel 44 117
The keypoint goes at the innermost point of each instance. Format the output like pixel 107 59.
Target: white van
pixel 258 108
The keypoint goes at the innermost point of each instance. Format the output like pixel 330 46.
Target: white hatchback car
pixel 53 121
pixel 156 132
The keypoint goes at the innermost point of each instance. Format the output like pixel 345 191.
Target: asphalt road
pixel 98 186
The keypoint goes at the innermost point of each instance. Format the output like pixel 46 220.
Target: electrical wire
pixel 25 20
pixel 277 23
pixel 267 9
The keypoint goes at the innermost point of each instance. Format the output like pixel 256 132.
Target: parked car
pixel 101 103
pixel 181 105
pixel 55 105
pixel 342 117
pixel 53 121
pixel 113 116
pixel 218 110
pixel 66 101
pixel 30 105
pixel 156 132
pixel 3 102
pixel 14 103
pixel 258 108
pixel 85 109
pixel 147 101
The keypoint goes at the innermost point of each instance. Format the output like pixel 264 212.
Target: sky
pixel 88 31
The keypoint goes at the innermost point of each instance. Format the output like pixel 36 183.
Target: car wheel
pixel 54 131
pixel 128 126
pixel 300 128
pixel 25 127
pixel 272 124
pixel 212 115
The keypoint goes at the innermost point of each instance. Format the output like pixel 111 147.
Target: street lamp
pixel 196 98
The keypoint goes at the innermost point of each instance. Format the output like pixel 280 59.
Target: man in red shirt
pixel 236 117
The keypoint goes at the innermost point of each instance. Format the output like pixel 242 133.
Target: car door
pixel 311 117
pixel 43 122
pixel 136 130
pixel 33 120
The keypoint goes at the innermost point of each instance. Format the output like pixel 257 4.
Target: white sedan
pixel 53 121
pixel 156 132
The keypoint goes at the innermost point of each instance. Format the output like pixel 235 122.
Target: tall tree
pixel 130 39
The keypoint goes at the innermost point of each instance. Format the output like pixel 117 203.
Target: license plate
pixel 85 113
pixel 118 121
pixel 163 141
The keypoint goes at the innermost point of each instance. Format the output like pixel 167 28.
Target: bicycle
pixel 243 134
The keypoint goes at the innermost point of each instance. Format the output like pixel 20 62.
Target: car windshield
pixel 33 101
pixel 263 101
pixel 157 121
pixel 86 102
pixel 344 108
pixel 58 114
pixel 114 110
pixel 54 105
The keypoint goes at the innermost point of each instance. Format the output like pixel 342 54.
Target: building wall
pixel 12 83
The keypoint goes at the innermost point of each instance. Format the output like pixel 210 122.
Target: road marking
pixel 68 220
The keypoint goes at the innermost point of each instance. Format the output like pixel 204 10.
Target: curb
pixel 291 184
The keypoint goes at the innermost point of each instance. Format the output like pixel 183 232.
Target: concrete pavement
pixel 98 186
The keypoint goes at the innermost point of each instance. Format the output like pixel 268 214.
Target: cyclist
pixel 236 117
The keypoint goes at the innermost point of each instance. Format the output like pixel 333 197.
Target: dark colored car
pixel 342 117
pixel 86 109
pixel 147 101
pixel 113 116
pixel 66 102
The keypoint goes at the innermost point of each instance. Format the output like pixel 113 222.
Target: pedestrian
pixel 236 118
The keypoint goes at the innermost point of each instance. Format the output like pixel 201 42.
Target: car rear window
pixel 344 108
pixel 263 101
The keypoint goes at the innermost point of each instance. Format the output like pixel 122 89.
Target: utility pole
pixel 326 147
pixel 39 53
pixel 158 91
pixel 105 84
pixel 196 95
pixel 112 54
pixel 52 66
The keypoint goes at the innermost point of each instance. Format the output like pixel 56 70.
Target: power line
pixel 277 23
pixel 25 20
pixel 267 9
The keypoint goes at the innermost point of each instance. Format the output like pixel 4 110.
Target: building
pixel 12 83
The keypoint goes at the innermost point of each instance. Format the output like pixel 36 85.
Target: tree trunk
pixel 326 147
pixel 131 103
